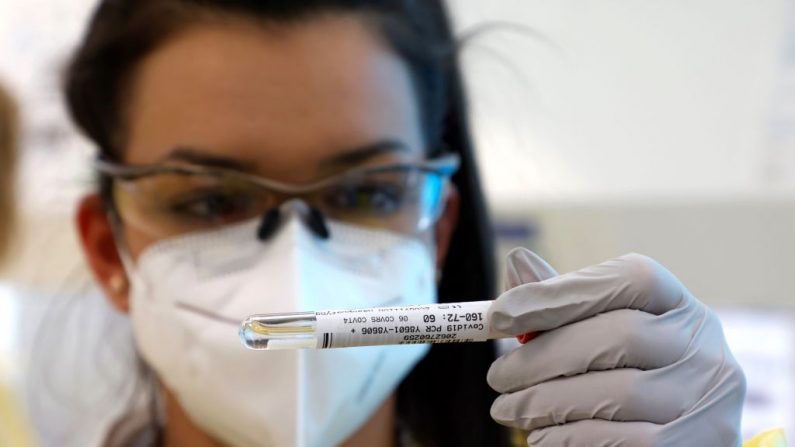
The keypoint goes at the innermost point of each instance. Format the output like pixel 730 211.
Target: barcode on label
pixel 327 336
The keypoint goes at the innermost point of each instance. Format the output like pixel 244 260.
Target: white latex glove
pixel 628 357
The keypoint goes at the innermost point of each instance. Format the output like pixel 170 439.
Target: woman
pixel 261 156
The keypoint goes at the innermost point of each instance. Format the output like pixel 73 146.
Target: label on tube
pixel 426 323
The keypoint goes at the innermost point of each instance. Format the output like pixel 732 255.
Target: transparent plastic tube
pixel 428 323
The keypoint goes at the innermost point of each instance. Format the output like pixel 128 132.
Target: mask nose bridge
pixel 290 259
pixel 312 217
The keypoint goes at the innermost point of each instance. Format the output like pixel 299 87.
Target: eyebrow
pixel 197 156
pixel 364 153
pixel 347 158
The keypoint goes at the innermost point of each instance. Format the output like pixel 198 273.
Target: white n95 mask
pixel 189 294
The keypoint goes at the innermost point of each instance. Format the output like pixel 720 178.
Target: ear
pixel 100 250
pixel 446 225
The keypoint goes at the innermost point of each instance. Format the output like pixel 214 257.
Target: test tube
pixel 427 323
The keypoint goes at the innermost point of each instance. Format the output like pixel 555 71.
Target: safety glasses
pixel 174 199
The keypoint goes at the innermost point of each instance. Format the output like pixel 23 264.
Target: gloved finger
pixel 629 282
pixel 522 267
pixel 615 395
pixel 597 433
pixel 622 338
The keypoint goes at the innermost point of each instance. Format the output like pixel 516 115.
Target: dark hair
pixel 8 156
pixel 445 400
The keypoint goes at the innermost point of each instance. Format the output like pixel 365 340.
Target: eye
pixel 213 206
pixel 378 198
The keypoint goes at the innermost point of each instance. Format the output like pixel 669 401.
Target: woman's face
pixel 293 103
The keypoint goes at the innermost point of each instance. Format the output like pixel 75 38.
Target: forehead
pixel 279 96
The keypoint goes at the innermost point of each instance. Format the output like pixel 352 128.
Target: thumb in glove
pixel 524 266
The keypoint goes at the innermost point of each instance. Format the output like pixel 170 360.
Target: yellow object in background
pixel 14 428
pixel 771 438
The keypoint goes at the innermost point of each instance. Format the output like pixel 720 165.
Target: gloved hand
pixel 628 357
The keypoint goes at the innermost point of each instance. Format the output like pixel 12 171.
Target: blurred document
pixel 763 343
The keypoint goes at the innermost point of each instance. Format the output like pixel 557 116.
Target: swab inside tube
pixel 427 323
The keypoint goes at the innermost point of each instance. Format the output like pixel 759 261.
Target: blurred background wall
pixel 665 127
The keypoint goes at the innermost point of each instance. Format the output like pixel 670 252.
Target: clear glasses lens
pixel 403 199
pixel 397 200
